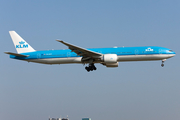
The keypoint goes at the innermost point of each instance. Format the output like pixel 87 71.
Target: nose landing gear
pixel 91 67
pixel 162 65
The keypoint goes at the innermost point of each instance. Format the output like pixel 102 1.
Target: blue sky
pixel 134 90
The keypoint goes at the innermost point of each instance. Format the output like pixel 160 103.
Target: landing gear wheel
pixel 162 65
pixel 91 67
pixel 94 68
pixel 87 68
pixel 163 62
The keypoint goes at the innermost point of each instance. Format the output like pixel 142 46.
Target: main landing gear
pixel 162 65
pixel 91 67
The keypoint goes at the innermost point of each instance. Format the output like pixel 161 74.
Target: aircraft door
pixel 38 56
pixel 68 54
pixel 160 51
pixel 100 51
pixel 136 52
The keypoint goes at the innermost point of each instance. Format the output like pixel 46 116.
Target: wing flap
pixel 15 54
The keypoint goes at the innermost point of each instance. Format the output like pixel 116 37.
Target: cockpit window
pixel 170 50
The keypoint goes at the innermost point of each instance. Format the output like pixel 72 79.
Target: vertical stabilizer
pixel 20 44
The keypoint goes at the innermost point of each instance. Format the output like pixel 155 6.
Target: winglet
pixel 59 40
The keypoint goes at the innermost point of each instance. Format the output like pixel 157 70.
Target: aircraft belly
pixel 57 60
pixel 143 57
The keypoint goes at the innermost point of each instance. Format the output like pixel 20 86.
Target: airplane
pixel 108 57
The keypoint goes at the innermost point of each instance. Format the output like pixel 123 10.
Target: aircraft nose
pixel 173 54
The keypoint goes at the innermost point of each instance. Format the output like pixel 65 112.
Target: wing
pixel 81 51
pixel 15 54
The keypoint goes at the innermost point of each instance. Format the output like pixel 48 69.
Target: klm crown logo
pixel 149 49
pixel 22 45
pixel 21 42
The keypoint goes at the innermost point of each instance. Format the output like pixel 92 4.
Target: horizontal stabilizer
pixel 15 54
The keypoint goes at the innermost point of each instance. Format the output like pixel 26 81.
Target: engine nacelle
pixel 112 64
pixel 110 58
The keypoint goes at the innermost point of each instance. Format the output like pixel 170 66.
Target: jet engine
pixel 111 64
pixel 110 60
